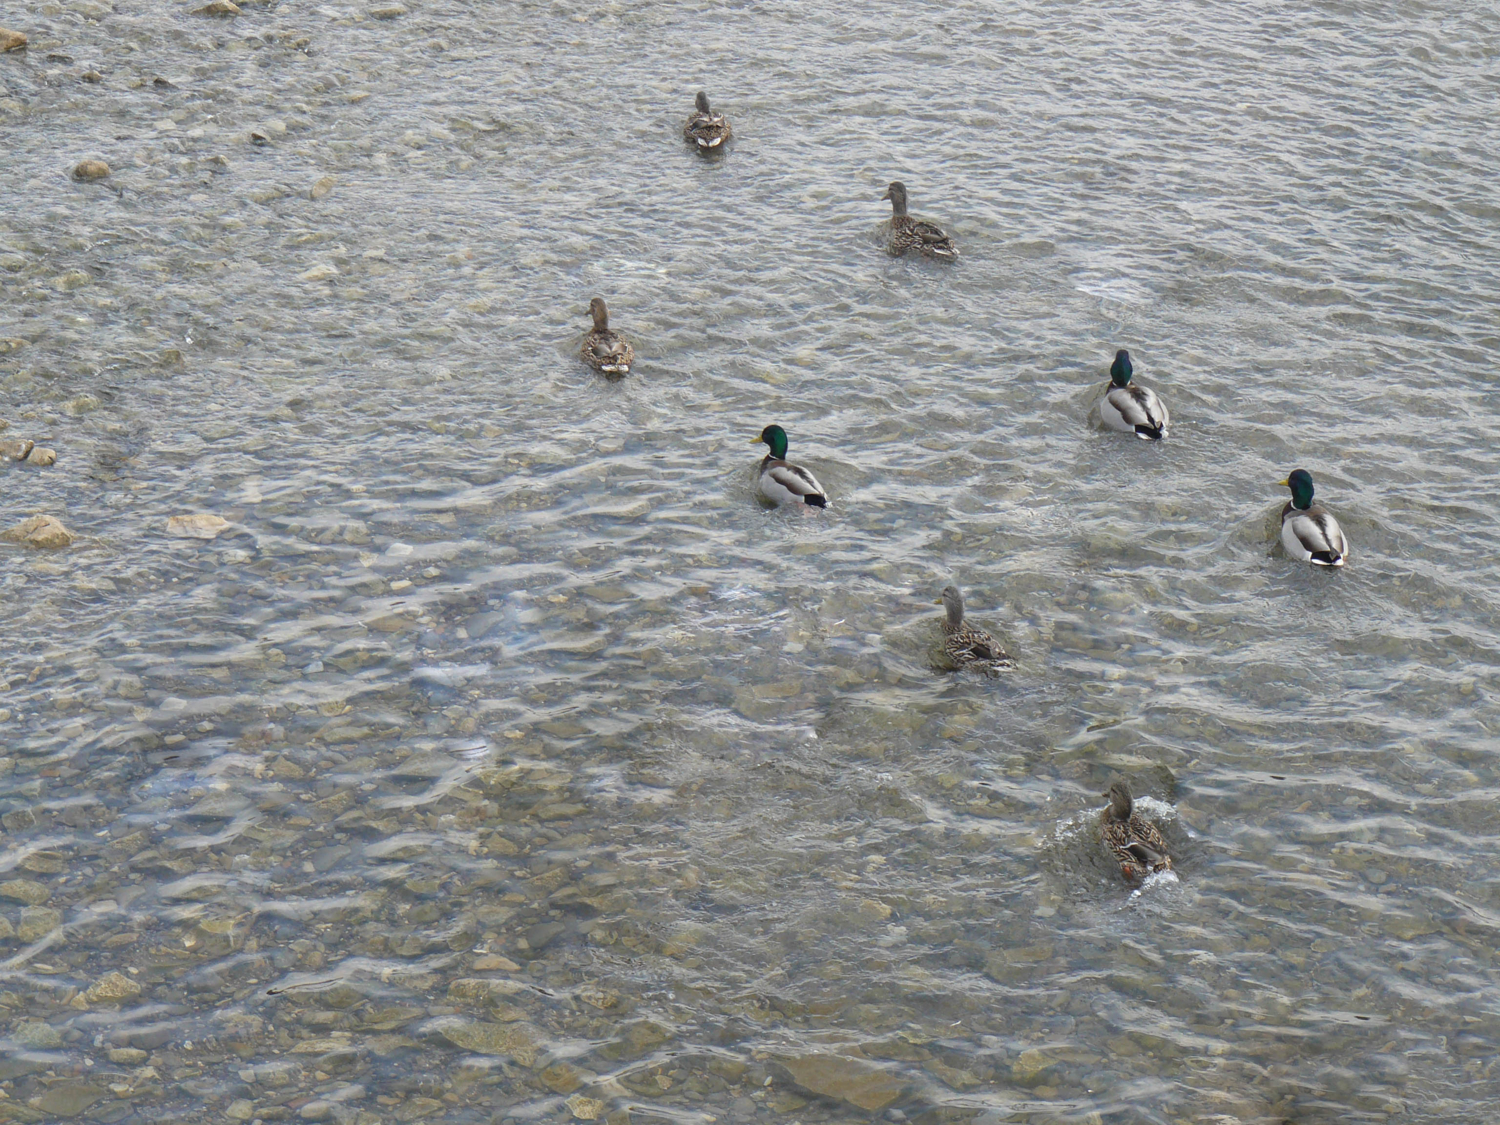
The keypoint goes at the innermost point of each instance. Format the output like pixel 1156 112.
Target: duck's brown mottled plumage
pixel 605 350
pixel 705 129
pixel 908 233
pixel 968 647
pixel 1136 843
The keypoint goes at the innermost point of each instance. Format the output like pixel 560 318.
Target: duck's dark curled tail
pixel 1152 432
pixel 1327 558
pixel 816 501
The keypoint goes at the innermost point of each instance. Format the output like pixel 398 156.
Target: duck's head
pixel 1119 800
pixel 1300 482
pixel 775 437
pixel 1120 370
pixel 599 313
pixel 701 101
pixel 896 193
pixel 953 602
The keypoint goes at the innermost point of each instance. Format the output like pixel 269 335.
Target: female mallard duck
pixel 1135 841
pixel 1130 407
pixel 603 349
pixel 968 647
pixel 1308 531
pixel 705 128
pixel 907 232
pixel 782 481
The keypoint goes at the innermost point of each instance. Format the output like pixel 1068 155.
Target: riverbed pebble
pixel 11 40
pixel 87 171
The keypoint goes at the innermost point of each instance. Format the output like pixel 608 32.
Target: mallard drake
pixel 1308 531
pixel 705 128
pixel 782 481
pixel 966 646
pixel 907 232
pixel 603 349
pixel 1135 841
pixel 1130 407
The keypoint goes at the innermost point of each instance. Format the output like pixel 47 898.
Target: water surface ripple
pixel 505 759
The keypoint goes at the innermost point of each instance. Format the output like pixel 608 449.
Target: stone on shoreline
pixel 38 531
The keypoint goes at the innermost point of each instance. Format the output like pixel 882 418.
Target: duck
pixel 604 349
pixel 966 646
pixel 1308 531
pixel 1135 841
pixel 907 232
pixel 782 481
pixel 705 128
pixel 1130 407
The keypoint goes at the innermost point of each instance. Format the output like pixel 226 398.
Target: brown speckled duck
pixel 966 646
pixel 908 233
pixel 1136 843
pixel 603 349
pixel 705 128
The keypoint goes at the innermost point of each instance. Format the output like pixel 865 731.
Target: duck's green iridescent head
pixel 1300 482
pixel 775 437
pixel 1120 370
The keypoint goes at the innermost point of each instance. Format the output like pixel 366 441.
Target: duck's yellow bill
pixel 1285 483
pixel 756 440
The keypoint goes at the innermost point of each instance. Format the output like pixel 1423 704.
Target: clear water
pixel 502 674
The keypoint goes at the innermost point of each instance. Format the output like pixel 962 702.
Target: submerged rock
pixel 494 1039
pixel 41 456
pixel 199 526
pixel 90 170
pixel 11 40
pixel 218 8
pixel 39 531
pixel 70 1099
pixel 850 1080
pixel 28 891
pixel 17 449
pixel 111 988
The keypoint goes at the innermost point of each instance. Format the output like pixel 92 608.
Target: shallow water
pixel 506 759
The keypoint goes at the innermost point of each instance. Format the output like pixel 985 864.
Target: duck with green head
pixel 908 233
pixel 782 481
pixel 706 129
pixel 1129 407
pixel 1308 530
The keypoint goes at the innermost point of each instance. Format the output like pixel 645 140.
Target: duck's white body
pixel 786 483
pixel 1312 535
pixel 1134 409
